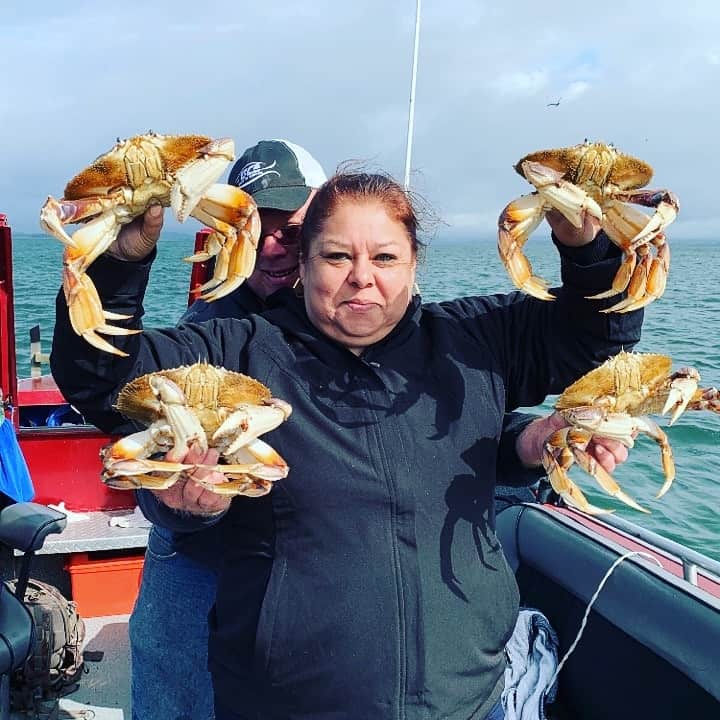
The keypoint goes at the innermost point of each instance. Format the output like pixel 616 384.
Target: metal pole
pixel 411 112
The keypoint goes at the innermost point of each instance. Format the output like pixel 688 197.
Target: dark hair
pixel 360 186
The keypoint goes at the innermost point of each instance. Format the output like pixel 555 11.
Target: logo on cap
pixel 255 170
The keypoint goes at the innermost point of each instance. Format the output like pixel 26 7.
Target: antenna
pixel 411 111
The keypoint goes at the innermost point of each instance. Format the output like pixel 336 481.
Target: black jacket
pixel 201 546
pixel 389 596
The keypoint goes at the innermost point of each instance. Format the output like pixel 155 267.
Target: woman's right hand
pixel 136 240
pixel 188 496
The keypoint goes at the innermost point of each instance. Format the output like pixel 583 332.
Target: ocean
pixel 681 324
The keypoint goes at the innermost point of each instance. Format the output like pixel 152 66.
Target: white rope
pixel 606 577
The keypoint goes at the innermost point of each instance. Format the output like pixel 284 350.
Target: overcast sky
pixel 334 76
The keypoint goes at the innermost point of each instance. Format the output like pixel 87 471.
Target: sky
pixel 335 77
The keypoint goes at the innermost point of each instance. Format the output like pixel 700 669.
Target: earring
pixel 416 289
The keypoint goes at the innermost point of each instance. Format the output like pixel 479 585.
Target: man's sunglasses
pixel 286 236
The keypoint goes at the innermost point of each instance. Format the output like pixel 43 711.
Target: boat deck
pixel 104 690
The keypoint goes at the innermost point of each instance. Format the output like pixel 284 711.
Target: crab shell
pixel 202 405
pixel 211 392
pixel 625 383
pixel 146 164
pixel 593 167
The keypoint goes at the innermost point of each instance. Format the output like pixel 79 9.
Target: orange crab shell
pixel 593 165
pixel 126 161
pixel 206 388
pixel 617 381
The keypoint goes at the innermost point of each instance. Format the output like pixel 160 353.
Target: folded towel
pixel 532 660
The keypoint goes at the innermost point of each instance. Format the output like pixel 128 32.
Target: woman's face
pixel 359 274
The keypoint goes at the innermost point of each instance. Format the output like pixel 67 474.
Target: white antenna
pixel 411 112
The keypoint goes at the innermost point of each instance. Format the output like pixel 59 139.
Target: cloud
pixel 520 84
pixel 576 89
pixel 335 77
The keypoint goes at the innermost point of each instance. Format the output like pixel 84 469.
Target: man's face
pixel 276 265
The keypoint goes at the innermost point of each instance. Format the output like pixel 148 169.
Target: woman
pixel 369 583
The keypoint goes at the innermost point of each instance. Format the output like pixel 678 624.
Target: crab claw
pixel 248 486
pixel 126 465
pixel 233 216
pixel 569 199
pixel 682 391
pixel 557 459
pixel 87 316
pixel 667 207
pixel 515 224
pixel 184 425
pixel 194 180
pixel 520 217
pixel 251 421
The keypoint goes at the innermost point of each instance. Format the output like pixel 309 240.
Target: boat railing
pixel 692 561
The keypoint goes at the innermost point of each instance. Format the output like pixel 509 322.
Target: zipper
pixel 398 572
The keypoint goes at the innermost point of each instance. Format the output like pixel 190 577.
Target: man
pixel 168 626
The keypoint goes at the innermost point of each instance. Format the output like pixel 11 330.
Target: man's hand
pixel 607 452
pixel 186 495
pixel 137 239
pixel 568 234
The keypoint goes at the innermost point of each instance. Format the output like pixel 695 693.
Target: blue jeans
pixel 225 713
pixel 497 713
pixel 169 635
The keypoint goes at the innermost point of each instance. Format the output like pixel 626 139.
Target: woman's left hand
pixel 607 452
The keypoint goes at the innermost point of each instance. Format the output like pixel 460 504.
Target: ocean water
pixel 683 324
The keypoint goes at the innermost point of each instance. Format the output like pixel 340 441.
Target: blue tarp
pixel 15 479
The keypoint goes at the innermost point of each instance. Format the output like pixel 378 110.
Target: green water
pixel 682 324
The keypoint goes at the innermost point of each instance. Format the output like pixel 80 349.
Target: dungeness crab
pixel 201 404
pixel 593 178
pixel 174 171
pixel 614 401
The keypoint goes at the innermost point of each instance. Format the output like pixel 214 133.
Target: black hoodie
pixel 388 595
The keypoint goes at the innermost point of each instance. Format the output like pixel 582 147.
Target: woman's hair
pixel 351 185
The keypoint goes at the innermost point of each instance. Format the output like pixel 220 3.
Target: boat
pixel 637 615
